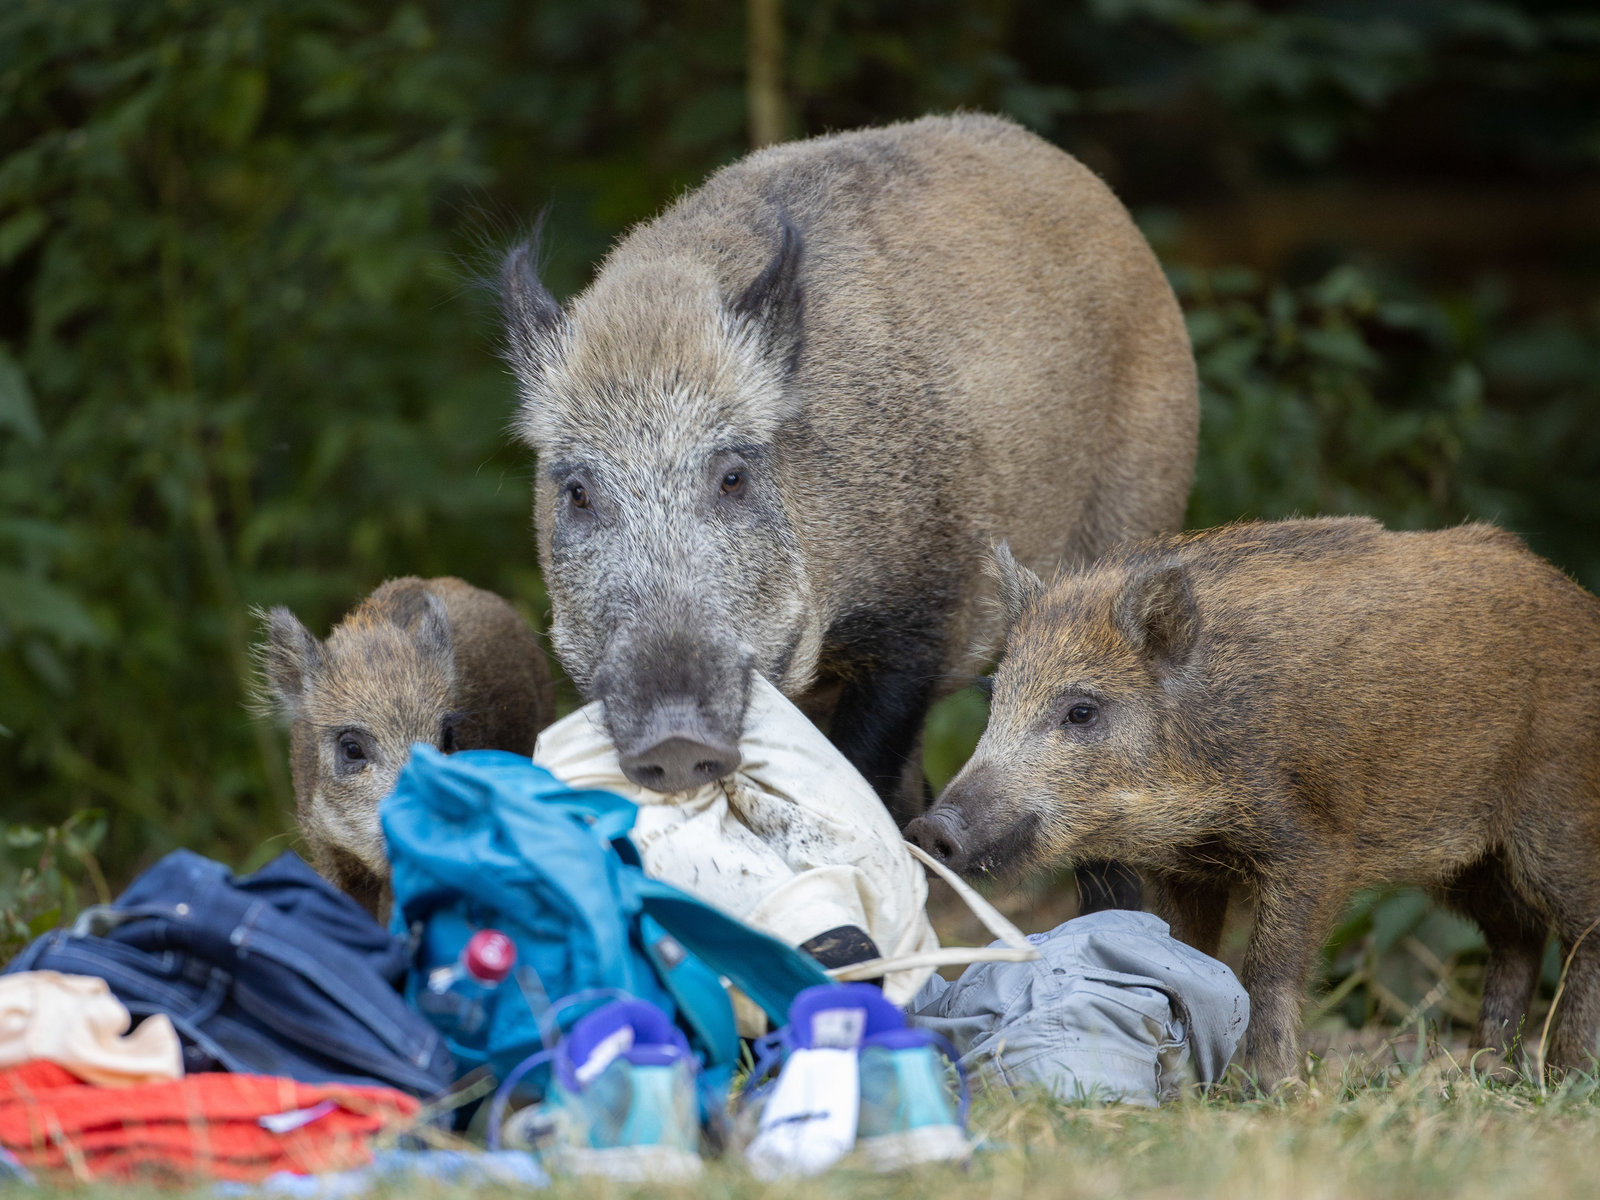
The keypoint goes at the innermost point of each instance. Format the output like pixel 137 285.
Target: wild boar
pixel 1301 709
pixel 419 660
pixel 780 429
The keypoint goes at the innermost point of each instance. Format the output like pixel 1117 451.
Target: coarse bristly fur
pixel 1301 709
pixel 780 429
pixel 419 660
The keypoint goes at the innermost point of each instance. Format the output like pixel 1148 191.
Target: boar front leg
pixel 878 724
pixel 1103 884
pixel 1294 912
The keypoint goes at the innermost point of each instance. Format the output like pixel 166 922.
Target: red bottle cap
pixel 489 956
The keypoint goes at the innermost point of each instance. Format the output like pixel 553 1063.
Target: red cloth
pixel 202 1125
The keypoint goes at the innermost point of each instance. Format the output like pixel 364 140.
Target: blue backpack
pixel 483 839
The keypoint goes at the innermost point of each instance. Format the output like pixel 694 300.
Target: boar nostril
pixel 677 763
pixel 935 836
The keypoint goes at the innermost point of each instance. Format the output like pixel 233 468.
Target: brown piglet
pixel 1301 709
pixel 419 660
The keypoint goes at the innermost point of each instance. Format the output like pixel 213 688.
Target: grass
pixel 1400 1117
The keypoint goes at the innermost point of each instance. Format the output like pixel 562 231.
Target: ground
pixel 1380 1113
pixel 1367 1124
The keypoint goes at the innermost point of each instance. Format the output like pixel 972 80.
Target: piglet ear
pixel 774 301
pixel 1156 612
pixel 1017 586
pixel 290 658
pixel 430 628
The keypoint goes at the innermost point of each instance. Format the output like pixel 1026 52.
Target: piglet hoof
pixel 1491 1065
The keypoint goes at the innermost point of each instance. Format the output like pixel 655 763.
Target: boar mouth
pixel 675 702
pixel 675 750
pixel 1010 853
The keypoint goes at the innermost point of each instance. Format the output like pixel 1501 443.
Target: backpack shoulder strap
pixel 765 969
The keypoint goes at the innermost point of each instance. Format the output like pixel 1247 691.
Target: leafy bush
pixel 44 872
pixel 1352 396
pixel 224 272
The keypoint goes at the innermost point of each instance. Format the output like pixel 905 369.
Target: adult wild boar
pixel 781 428
pixel 1298 710
pixel 419 660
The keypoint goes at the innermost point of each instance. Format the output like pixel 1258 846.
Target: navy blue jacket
pixel 276 973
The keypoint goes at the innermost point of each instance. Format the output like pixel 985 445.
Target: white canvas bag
pixel 795 842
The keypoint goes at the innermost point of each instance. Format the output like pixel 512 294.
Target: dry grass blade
pixel 1363 1126
pixel 1561 987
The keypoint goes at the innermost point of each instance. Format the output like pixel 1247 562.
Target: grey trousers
pixel 1115 1009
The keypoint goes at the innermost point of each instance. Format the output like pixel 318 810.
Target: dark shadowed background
pixel 243 359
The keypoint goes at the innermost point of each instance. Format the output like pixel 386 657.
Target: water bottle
pixel 456 998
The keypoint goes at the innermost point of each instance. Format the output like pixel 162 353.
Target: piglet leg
pixel 1294 911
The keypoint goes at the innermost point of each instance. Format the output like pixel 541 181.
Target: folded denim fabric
pixel 276 973
pixel 1115 1009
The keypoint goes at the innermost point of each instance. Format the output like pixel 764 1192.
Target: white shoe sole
pixel 930 1143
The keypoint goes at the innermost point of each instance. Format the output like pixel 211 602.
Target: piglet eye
pixel 351 750
pixel 578 494
pixel 1082 714
pixel 733 483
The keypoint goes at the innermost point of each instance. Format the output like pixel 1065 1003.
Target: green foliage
pixel 43 872
pixel 1396 958
pixel 224 259
pixel 1345 396
pixel 1307 79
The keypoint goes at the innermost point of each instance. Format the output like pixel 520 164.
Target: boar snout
pixel 677 751
pixel 941 833
pixel 981 825
pixel 675 704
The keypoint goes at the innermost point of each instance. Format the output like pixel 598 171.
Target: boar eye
pixel 733 483
pixel 350 751
pixel 447 737
pixel 1082 713
pixel 578 494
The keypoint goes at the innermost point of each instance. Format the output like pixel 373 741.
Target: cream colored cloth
pixel 75 1022
pixel 795 842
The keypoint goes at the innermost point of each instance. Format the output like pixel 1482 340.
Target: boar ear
pixel 1157 613
pixel 290 657
pixel 775 300
pixel 530 312
pixel 1018 587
